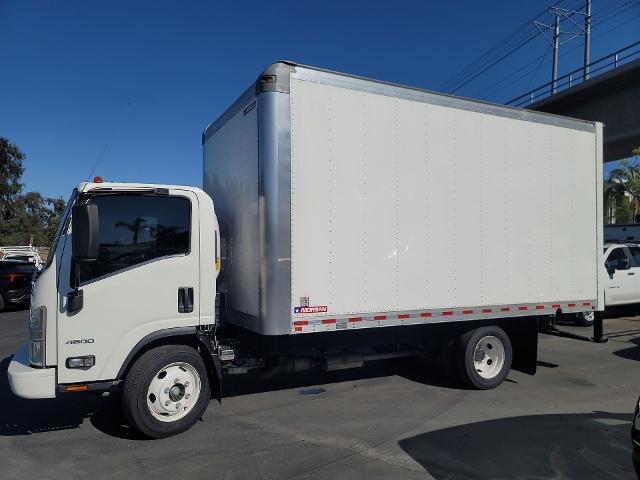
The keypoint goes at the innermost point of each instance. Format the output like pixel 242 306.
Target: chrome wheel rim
pixel 173 392
pixel 489 357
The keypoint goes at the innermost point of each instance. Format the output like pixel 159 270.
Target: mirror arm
pixel 75 299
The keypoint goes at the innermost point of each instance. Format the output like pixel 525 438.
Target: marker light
pixel 76 388
pixel 97 179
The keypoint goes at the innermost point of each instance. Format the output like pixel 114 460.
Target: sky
pixel 130 85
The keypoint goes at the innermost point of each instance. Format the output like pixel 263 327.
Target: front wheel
pixel 484 357
pixel 166 391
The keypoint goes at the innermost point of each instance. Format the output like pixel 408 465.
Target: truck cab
pixel 142 270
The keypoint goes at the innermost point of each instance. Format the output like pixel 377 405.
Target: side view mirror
pixel 623 264
pixel 84 247
pixel 84 228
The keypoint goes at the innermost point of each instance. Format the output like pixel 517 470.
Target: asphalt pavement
pixel 390 420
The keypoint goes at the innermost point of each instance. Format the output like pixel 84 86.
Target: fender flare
pixel 176 332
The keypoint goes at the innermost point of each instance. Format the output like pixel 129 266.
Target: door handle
pixel 631 273
pixel 185 299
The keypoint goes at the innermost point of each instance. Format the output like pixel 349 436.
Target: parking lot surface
pixel 385 421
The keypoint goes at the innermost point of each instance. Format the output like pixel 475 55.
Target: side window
pixel 134 229
pixel 635 256
pixel 615 255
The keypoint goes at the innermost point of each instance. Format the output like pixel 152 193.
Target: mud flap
pixel 523 333
pixel 213 364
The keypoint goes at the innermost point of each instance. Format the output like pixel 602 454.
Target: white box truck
pixel 354 220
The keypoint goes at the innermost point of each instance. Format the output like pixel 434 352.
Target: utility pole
pixel 587 38
pixel 556 44
pixel 560 14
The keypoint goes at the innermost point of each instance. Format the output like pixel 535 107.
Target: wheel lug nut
pixel 167 403
pixel 186 384
pixel 177 380
pixel 166 389
pixel 178 406
pixel 187 396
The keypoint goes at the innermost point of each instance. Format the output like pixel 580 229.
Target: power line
pixel 515 38
pixel 599 22
pixel 478 67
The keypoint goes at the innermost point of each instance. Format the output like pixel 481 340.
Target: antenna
pixel 126 110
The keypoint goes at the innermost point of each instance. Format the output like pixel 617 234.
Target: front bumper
pixel 27 381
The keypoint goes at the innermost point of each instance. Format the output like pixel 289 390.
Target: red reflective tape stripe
pixel 505 309
pixel 298 329
pixel 380 317
pixel 555 305
pixel 355 319
pixel 467 312
pixel 301 322
pixel 540 307
pixel 570 305
pixel 446 314
pixel 329 320
pixel 425 314
pixel 404 315
pixel 586 304
pixel 486 310
pixel 523 308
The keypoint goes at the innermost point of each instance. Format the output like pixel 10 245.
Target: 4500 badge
pixel 82 340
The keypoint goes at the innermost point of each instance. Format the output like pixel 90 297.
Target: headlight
pixel 37 328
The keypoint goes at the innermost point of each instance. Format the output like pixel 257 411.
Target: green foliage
pixel 622 191
pixel 23 215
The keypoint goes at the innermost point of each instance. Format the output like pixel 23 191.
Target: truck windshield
pixel 62 226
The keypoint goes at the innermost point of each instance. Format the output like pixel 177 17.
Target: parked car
pixel 15 282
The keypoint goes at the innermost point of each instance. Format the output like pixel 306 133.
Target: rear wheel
pixel 2 304
pixel 585 319
pixel 166 391
pixel 484 357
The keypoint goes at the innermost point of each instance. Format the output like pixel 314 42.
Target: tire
pixel 483 357
pixel 166 391
pixel 2 304
pixel 585 319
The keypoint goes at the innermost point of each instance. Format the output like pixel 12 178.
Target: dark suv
pixel 15 282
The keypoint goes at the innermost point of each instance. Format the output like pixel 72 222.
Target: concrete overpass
pixel 612 98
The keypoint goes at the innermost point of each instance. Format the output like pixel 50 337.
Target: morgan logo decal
pixel 318 309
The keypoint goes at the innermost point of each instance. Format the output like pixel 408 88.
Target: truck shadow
pixel 409 368
pixel 587 446
pixel 19 416
pixel 630 353
pixel 26 417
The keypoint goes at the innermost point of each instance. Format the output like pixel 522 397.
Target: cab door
pixel 634 273
pixel 621 282
pixel 145 280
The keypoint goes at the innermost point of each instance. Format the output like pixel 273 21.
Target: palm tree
pixel 624 181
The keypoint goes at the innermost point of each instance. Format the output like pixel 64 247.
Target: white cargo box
pixel 349 203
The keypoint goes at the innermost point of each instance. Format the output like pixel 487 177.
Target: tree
pixel 11 171
pixel 623 188
pixel 23 217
